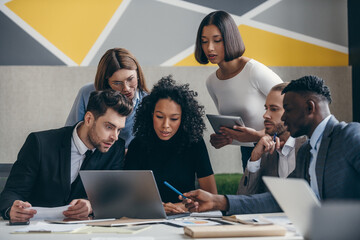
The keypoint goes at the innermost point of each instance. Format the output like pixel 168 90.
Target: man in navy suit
pixel 329 161
pixel 46 172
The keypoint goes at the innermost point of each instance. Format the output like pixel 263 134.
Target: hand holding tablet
pixel 218 121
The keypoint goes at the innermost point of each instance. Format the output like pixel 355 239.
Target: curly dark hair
pixel 192 123
pixel 309 84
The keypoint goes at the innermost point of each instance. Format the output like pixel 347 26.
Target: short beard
pixel 279 130
pixel 92 137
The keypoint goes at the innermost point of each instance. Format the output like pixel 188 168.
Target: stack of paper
pixel 42 227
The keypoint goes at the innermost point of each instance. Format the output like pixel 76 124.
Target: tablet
pixel 218 121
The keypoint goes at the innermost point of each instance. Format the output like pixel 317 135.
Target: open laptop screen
pixel 120 193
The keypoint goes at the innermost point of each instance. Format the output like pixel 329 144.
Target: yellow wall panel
pixel 275 50
pixel 71 25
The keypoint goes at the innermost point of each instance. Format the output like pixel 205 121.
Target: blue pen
pixel 174 189
pixel 275 137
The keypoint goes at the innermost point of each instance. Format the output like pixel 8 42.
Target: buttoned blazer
pixel 41 173
pixel 338 161
pixel 337 170
pixel 252 183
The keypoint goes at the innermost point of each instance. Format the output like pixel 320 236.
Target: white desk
pixel 157 231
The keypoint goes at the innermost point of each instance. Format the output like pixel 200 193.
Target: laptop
pixel 296 199
pixel 336 220
pixel 120 193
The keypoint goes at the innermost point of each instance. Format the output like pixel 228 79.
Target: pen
pixel 174 189
pixel 275 137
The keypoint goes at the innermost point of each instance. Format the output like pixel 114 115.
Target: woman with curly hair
pixel 168 140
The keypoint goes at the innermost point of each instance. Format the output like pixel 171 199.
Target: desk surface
pixel 156 231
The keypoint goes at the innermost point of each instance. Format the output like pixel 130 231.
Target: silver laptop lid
pixel 336 219
pixel 296 199
pixel 120 193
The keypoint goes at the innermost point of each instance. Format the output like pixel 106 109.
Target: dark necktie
pixel 84 164
pixel 86 161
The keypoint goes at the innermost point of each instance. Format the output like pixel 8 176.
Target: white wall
pixel 34 98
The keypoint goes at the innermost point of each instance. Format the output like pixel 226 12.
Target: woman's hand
pixel 174 208
pixel 242 134
pixel 219 140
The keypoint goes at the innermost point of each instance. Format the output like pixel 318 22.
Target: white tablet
pixel 218 121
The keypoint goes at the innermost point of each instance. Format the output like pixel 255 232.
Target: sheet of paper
pixel 282 221
pixel 192 222
pixel 128 238
pixel 43 227
pixel 209 214
pixel 66 221
pixel 55 213
pixel 121 230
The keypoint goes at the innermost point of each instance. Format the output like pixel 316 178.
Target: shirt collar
pixel 80 146
pixel 288 146
pixel 318 132
pixel 136 97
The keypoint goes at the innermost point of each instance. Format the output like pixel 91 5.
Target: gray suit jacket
pixel 337 170
pixel 252 183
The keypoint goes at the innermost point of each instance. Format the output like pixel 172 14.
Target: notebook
pixel 120 193
pixel 296 199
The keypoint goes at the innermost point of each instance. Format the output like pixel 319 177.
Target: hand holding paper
pixel 21 211
pixel 79 208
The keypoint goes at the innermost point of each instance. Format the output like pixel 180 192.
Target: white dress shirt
pixel 78 150
pixel 287 160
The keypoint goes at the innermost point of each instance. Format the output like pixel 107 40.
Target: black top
pixel 169 164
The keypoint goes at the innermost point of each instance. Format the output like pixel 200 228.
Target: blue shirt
pixel 78 111
pixel 315 141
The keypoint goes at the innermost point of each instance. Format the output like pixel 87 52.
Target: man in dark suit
pixel 330 161
pixel 46 172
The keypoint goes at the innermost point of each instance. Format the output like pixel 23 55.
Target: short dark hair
pixel 309 84
pixel 233 44
pixel 100 101
pixel 192 123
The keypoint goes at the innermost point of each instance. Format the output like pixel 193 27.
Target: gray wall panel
pixel 152 31
pixel 323 19
pixel 19 48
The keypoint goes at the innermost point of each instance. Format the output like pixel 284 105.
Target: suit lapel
pixel 65 163
pixel 322 154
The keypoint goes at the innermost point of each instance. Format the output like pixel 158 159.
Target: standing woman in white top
pixel 239 86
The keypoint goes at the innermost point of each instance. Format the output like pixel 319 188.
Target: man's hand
pixel 201 201
pixel 218 140
pixel 80 208
pixel 242 134
pixel 20 211
pixel 174 208
pixel 266 144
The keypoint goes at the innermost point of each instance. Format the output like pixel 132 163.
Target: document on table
pixel 192 222
pixel 128 238
pixel 209 214
pixel 42 227
pixel 55 213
